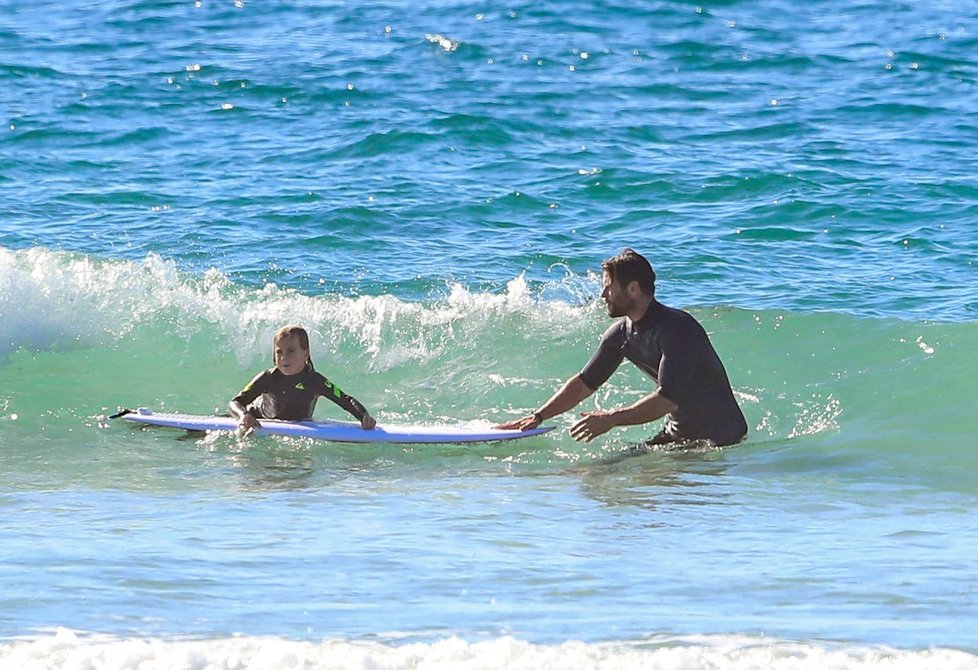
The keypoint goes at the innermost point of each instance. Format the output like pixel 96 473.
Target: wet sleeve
pixel 252 390
pixel 610 354
pixel 330 390
pixel 681 347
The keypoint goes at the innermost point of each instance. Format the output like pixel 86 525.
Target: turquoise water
pixel 430 190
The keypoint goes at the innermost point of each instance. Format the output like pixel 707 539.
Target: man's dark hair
pixel 629 266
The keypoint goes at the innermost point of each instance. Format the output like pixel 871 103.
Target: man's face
pixel 616 297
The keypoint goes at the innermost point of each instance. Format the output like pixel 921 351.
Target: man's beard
pixel 620 308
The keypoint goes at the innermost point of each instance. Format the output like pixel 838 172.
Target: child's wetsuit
pixel 273 395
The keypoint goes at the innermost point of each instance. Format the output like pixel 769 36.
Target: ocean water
pixel 430 188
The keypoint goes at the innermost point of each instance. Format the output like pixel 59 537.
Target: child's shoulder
pixel 318 380
pixel 268 373
pixel 312 373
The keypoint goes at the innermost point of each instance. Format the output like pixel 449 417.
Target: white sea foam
pixel 57 301
pixel 68 650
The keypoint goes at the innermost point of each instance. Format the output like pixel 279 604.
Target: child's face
pixel 290 357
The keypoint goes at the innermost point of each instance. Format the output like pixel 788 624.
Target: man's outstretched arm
pixel 567 397
pixel 649 408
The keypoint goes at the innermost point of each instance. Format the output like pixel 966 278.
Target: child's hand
pixel 248 423
pixel 368 422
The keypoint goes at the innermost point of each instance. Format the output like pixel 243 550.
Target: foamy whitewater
pixel 430 190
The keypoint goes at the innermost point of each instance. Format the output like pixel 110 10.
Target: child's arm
pixel 238 405
pixel 349 403
pixel 246 420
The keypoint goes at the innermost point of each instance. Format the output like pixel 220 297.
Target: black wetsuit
pixel 273 395
pixel 673 348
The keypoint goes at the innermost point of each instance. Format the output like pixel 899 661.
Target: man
pixel 669 345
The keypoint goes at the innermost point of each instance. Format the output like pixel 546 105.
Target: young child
pixel 289 391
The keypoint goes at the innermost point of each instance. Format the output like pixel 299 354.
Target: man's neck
pixel 640 308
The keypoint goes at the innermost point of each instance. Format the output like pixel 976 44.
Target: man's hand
pixel 591 425
pixel 526 423
pixel 368 422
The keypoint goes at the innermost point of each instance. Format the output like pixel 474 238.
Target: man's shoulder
pixel 679 326
pixel 617 329
pixel 659 316
pixel 677 316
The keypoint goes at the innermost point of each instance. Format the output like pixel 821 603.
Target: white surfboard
pixel 335 431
